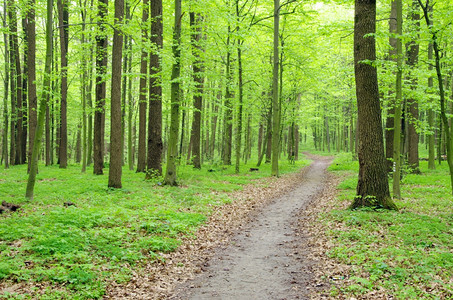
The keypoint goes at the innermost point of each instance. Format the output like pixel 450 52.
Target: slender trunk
pixel 141 163
pixel 170 174
pixel 5 157
pixel 42 105
pixel 64 38
pixel 275 94
pixel 198 76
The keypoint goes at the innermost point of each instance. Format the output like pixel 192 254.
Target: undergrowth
pixel 75 250
pixel 406 254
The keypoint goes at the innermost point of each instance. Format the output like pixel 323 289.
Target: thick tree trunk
pixel 155 145
pixel 31 70
pixel 116 145
pixel 172 151
pixel 372 186
pixel 101 69
pixel 141 163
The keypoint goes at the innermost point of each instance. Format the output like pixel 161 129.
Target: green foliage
pixel 406 253
pixel 107 233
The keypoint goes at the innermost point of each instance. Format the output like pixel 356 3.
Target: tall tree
pixel 275 93
pixel 372 186
pixel 31 61
pixel 42 105
pixel 412 61
pixel 141 162
pixel 398 103
pixel 198 76
pixel 443 113
pixel 172 151
pixel 116 145
pixel 63 20
pixel 155 145
pixel 101 69
pixel 5 157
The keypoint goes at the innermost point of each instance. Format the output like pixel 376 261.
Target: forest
pixel 127 126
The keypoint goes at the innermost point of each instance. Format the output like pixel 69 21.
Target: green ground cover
pixel 407 254
pixel 107 233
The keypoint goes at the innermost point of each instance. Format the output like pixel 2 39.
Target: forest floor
pixel 259 247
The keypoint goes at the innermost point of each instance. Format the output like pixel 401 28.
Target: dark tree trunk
pixel 31 60
pixel 155 145
pixel 63 17
pixel 5 157
pixel 372 186
pixel 141 163
pixel 260 139
pixel 101 69
pixel 116 145
pixel 228 119
pixel 390 122
pixel 412 60
pixel 198 76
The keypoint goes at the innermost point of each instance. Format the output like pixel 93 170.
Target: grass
pixel 406 254
pixel 107 233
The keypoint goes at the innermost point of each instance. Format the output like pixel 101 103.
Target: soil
pixel 264 260
pixel 261 246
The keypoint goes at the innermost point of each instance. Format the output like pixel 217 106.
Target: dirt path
pixel 265 260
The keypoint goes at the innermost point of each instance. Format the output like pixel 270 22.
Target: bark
pixel 443 113
pixel 260 139
pixel 398 104
pixel 84 96
pixel 228 119
pixel 31 69
pixel 390 122
pixel 5 157
pixel 198 77
pixel 172 151
pixel 275 93
pixel 372 186
pixel 13 59
pixel 412 61
pixel 141 163
pixel 101 69
pixel 78 154
pixel 116 146
pixel 63 17
pixel 155 145
pixel 42 105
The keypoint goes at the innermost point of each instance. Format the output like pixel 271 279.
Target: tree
pixel 141 163
pixel 155 145
pixel 172 151
pixel 101 69
pixel 63 19
pixel 275 93
pixel 198 76
pixel 372 186
pixel 42 105
pixel 116 145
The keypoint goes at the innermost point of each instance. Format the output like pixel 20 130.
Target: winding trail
pixel 266 259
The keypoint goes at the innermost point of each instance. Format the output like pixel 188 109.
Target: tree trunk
pixel 63 17
pixel 141 163
pixel 372 186
pixel 412 60
pixel 42 105
pixel 116 146
pixel 5 157
pixel 172 151
pixel 101 69
pixel 198 76
pixel 228 119
pixel 390 122
pixel 398 104
pixel 275 94
pixel 155 145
